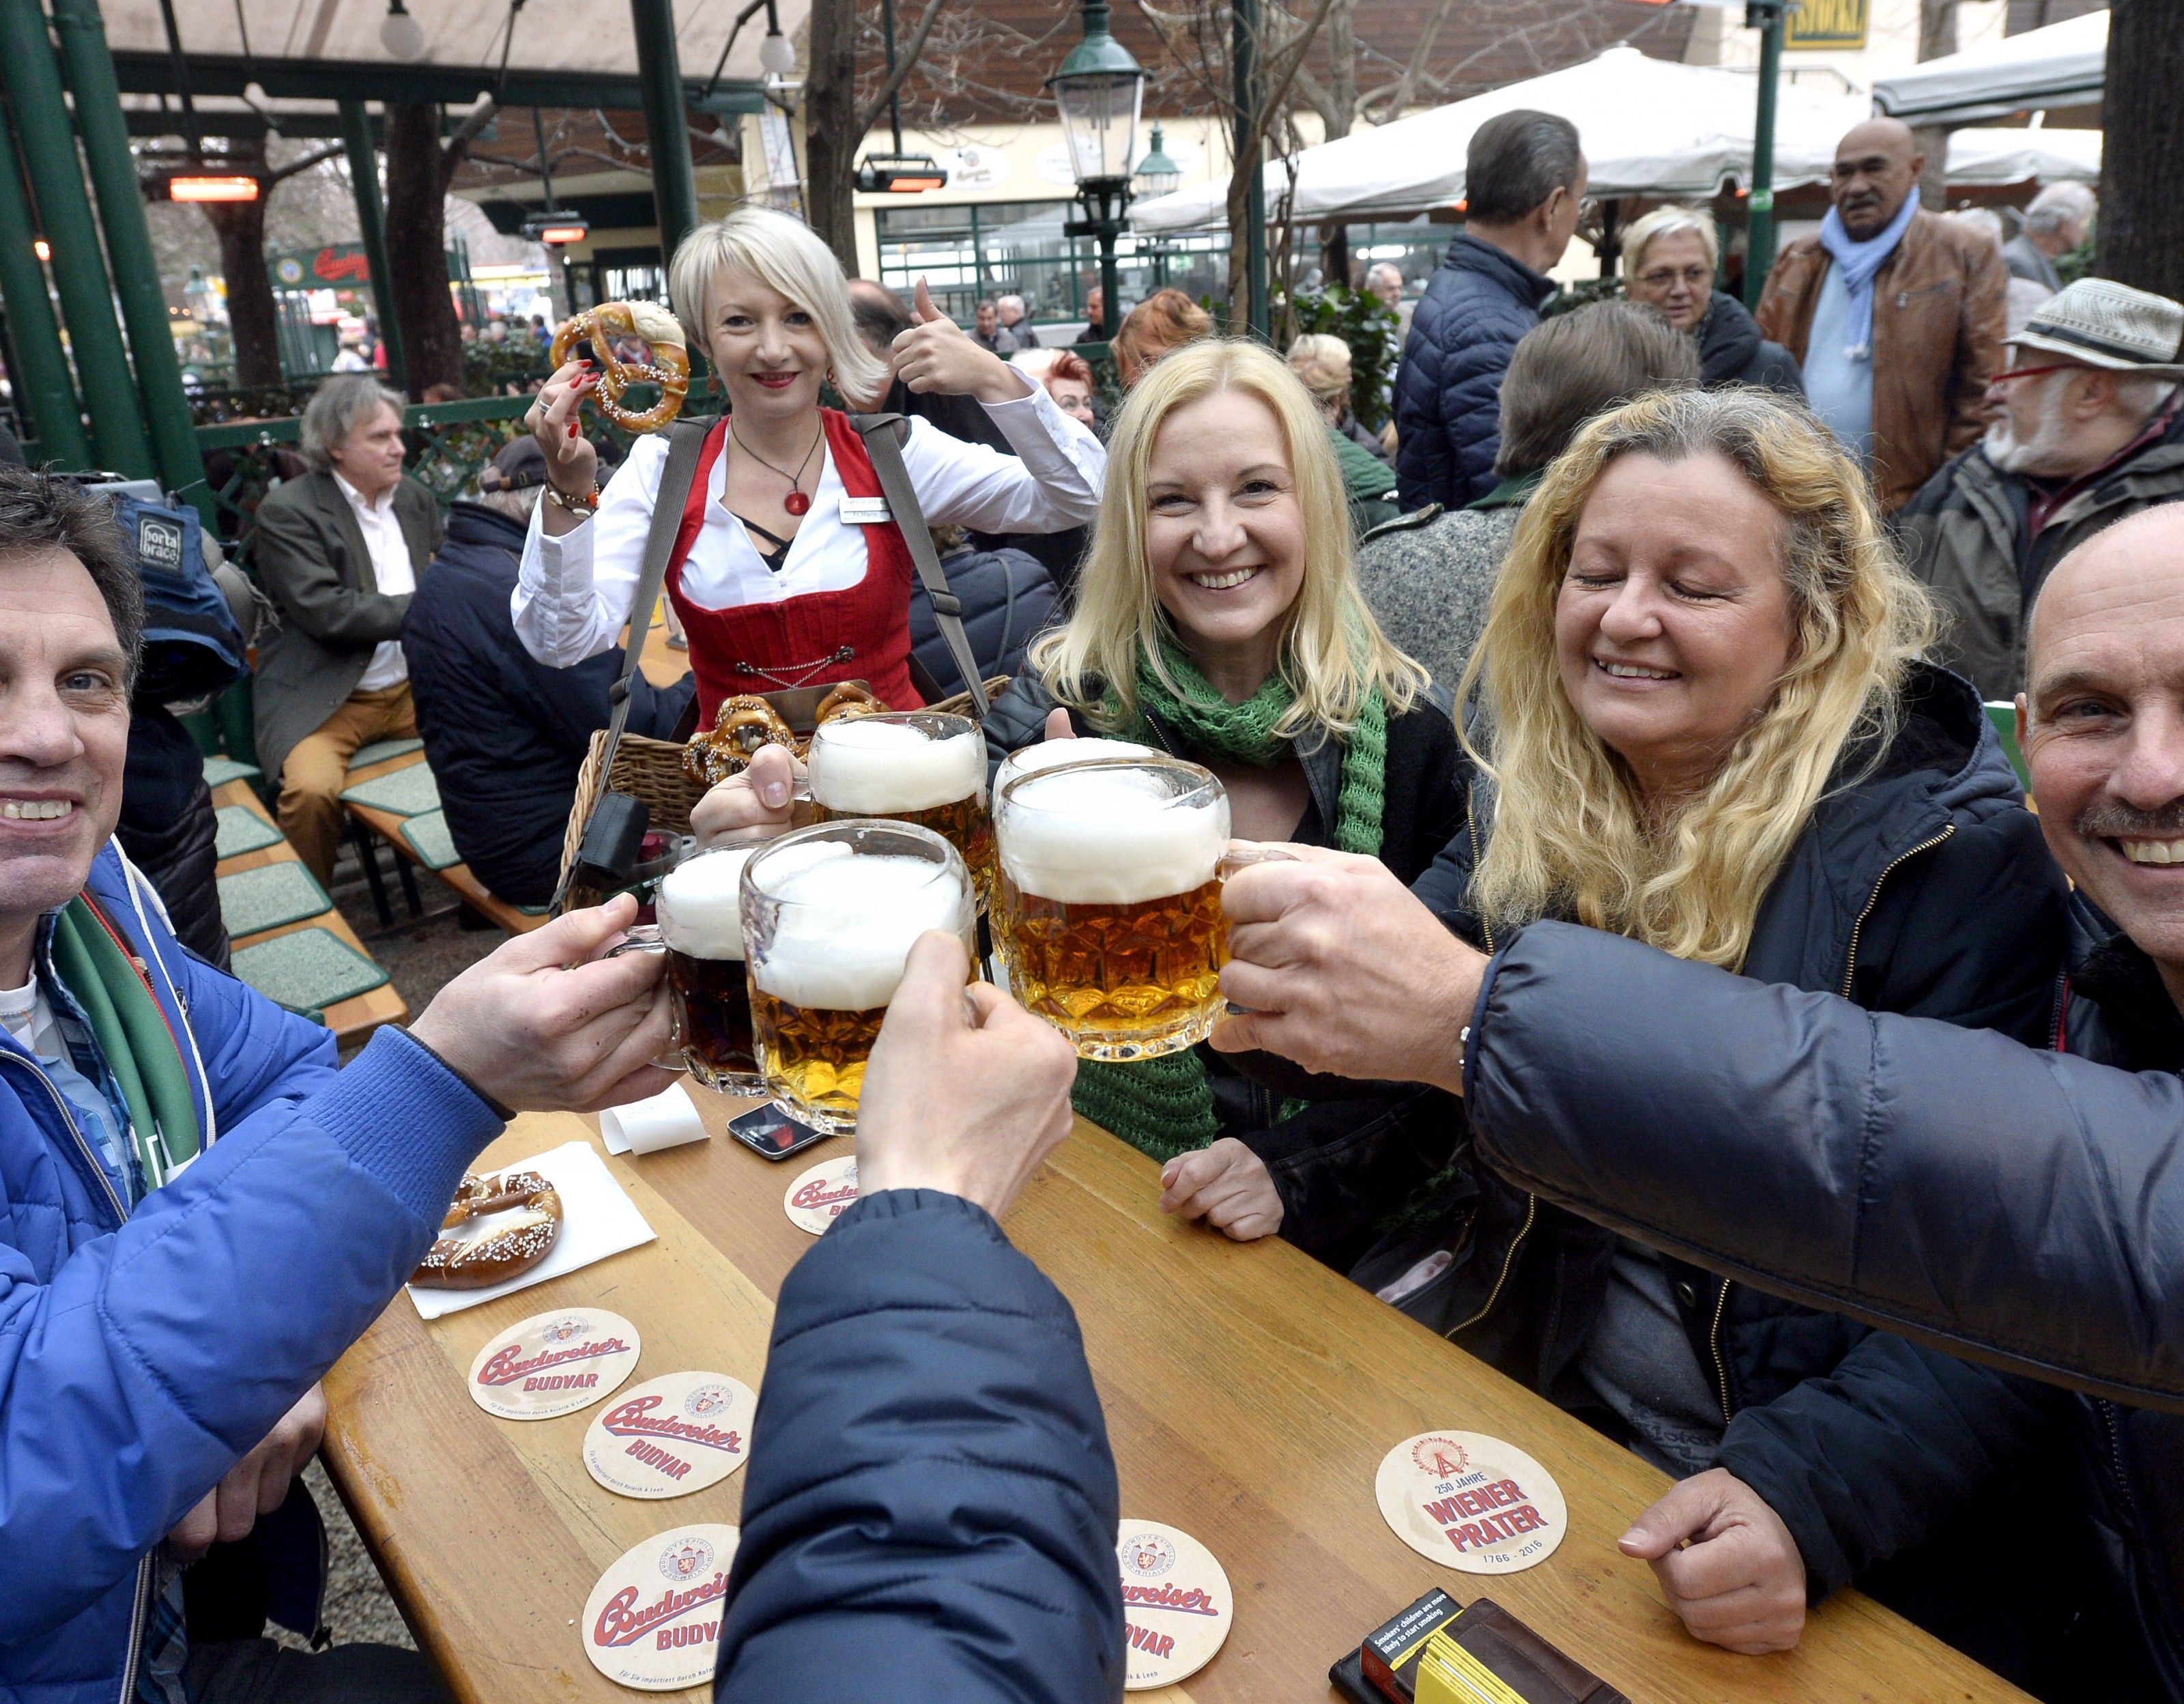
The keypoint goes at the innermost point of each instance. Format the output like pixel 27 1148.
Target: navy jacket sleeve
pixel 2010 1205
pixel 930 1510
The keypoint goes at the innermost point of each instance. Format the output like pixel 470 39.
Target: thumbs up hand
pixel 935 356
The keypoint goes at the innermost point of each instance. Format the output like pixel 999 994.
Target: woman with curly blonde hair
pixel 1703 722
pixel 1218 617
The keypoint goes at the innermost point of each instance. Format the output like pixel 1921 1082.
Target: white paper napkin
pixel 667 1119
pixel 597 1220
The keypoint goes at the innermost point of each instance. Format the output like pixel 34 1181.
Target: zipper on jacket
pixel 140 1608
pixel 1850 962
pixel 61 1106
pixel 1714 1342
pixel 1531 1201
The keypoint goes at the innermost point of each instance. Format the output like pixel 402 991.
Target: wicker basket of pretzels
pixel 670 782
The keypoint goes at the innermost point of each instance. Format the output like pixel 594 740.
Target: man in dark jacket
pixel 2019 1206
pixel 929 1511
pixel 2086 431
pixel 1524 190
pixel 1007 596
pixel 504 734
pixel 338 552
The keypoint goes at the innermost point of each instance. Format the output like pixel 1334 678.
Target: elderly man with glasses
pixel 2085 431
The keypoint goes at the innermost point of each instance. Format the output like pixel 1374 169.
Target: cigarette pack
pixel 1438 1651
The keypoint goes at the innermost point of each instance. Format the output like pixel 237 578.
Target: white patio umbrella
pixel 2060 66
pixel 1649 126
pixel 2020 156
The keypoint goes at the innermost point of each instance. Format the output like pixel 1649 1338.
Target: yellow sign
pixel 1813 24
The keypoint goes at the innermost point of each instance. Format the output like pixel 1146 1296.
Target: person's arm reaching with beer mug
pixel 931 1503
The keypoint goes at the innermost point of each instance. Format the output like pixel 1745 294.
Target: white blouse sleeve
pixel 573 593
pixel 1050 484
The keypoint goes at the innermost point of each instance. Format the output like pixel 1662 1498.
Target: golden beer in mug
pixel 830 913
pixel 915 766
pixel 1108 910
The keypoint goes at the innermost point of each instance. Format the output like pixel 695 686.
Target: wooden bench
pixel 386 825
pixel 360 1013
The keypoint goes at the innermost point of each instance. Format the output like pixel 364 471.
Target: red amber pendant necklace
pixel 796 503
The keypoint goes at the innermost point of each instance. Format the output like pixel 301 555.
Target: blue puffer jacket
pixel 140 1353
pixel 930 1509
pixel 1448 388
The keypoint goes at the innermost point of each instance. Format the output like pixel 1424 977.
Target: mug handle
pixel 645 938
pixel 1242 855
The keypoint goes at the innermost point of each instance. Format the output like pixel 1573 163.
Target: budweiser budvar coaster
pixel 1177 1605
pixel 554 1364
pixel 1471 1502
pixel 672 1435
pixel 821 1195
pixel 653 1620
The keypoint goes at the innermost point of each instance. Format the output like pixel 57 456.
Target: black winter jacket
pixel 2020 1206
pixel 504 734
pixel 1340 1163
pixel 1925 888
pixel 1007 597
pixel 1732 351
pixel 931 1501
pixel 1478 304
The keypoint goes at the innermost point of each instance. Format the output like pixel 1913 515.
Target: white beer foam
pixel 698 909
pixel 847 924
pixel 1108 837
pixel 869 767
pixel 1049 752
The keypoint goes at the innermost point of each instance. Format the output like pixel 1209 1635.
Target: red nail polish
pixel 572 428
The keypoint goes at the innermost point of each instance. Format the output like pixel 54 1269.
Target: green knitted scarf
pixel 1164 1106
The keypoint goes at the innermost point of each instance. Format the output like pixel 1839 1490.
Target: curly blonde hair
pixel 1332 654
pixel 1570 835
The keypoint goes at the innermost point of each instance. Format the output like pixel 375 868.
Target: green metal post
pixel 1247 74
pixel 43 382
pixel 1759 231
pixel 48 143
pixel 674 184
pixel 371 219
pixel 129 242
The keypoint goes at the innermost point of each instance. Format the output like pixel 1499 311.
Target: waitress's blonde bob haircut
pixel 1570 835
pixel 1331 653
pixel 786 253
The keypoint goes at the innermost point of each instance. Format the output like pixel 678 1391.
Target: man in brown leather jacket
pixel 1908 389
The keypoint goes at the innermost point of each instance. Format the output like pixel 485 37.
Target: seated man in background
pixel 198 1213
pixel 504 734
pixel 2086 431
pixel 338 552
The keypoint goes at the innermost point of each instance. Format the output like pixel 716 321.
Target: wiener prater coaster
pixel 653 1620
pixel 821 1195
pixel 554 1364
pixel 672 1435
pixel 1471 1502
pixel 1177 1605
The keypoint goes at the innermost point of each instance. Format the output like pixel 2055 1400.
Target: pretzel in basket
pixel 666 363
pixel 741 729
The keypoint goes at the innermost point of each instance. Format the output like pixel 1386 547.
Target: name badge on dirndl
pixel 863 512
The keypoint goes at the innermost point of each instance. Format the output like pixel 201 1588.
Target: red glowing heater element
pixel 212 189
pixel 560 234
pixel 42 248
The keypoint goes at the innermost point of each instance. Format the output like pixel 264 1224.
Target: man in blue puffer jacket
pixel 1524 178
pixel 198 1213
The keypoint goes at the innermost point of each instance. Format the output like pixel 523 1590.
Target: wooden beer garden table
pixel 1249 1392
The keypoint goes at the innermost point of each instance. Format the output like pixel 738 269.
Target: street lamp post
pixel 1097 92
pixel 1157 175
pixel 1766 17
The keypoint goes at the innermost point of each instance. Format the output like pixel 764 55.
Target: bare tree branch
pixel 270 176
pixel 905 62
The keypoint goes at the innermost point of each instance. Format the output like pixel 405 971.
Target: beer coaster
pixel 1471 1502
pixel 653 1622
pixel 820 1196
pixel 1177 1605
pixel 672 1435
pixel 554 1364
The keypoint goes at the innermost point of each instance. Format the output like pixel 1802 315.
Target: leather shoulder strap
pixel 686 438
pixel 884 435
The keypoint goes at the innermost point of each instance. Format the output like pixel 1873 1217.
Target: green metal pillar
pixel 1245 41
pixel 105 135
pixel 1765 15
pixel 674 184
pixel 371 219
pixel 44 382
pixel 49 144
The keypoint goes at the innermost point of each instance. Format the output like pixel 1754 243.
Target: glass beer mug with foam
pixel 830 913
pixel 915 766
